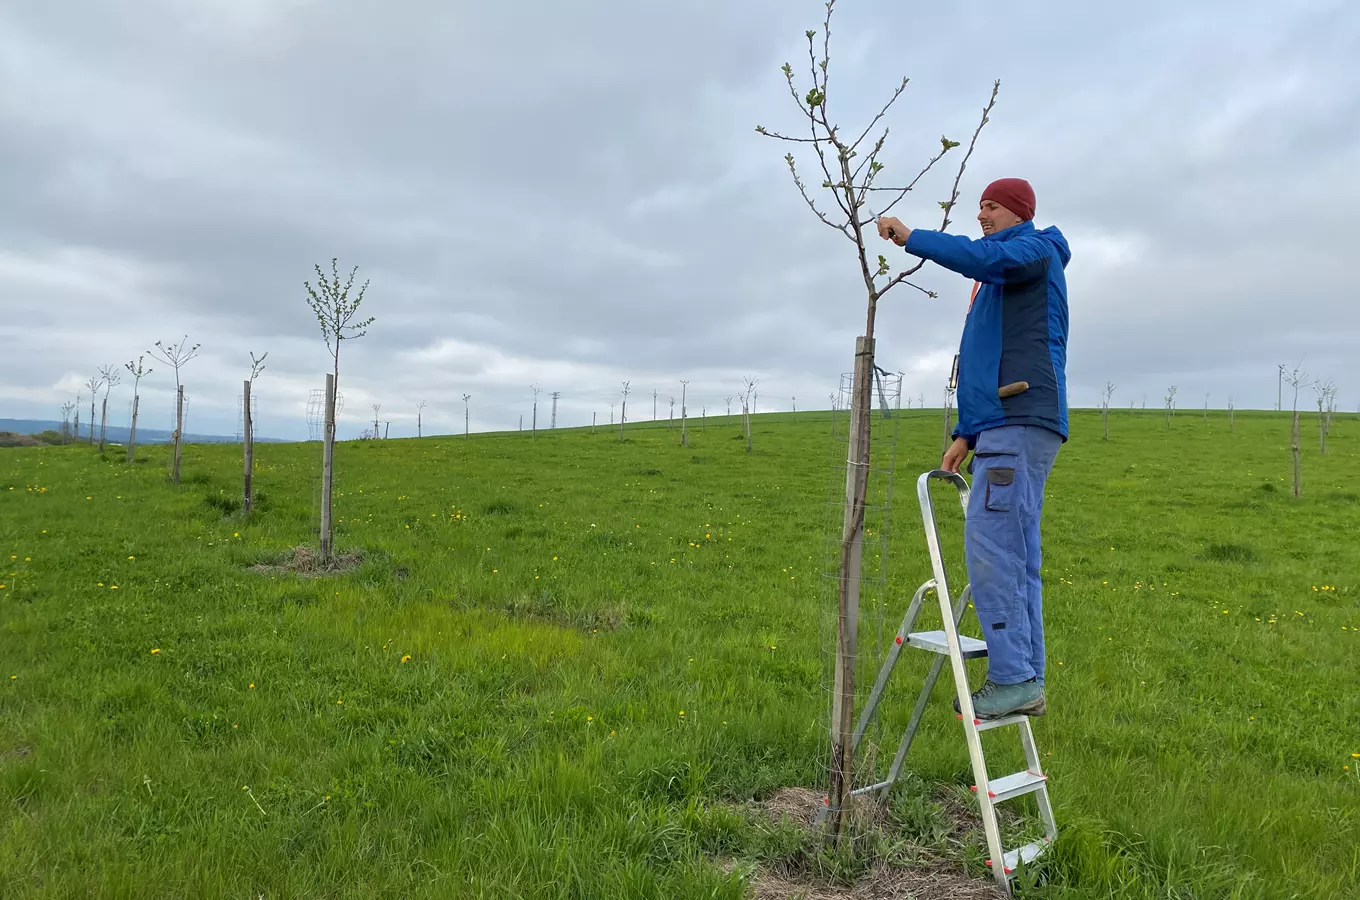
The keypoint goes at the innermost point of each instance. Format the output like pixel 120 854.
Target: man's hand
pixel 954 456
pixel 890 228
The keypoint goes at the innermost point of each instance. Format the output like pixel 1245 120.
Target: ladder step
pixel 1026 854
pixel 935 642
pixel 1017 785
pixel 989 724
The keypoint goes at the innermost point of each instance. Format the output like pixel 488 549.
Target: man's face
pixel 995 217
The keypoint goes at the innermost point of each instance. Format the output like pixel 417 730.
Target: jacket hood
pixel 1051 234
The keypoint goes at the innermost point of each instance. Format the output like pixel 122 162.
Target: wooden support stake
pixel 247 447
pixel 327 470
pixel 847 599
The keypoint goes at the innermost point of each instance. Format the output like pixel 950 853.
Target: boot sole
pixel 1033 708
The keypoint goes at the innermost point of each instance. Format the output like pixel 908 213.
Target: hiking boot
pixel 992 700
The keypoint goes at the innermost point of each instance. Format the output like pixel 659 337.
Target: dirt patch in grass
pixel 935 878
pixel 307 562
pixel 882 883
pixel 14 753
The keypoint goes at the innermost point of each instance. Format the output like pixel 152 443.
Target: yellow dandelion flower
pixel 406 658
pixel 252 686
pixel 339 702
pixel 155 650
pixel 682 712
pixel 132 557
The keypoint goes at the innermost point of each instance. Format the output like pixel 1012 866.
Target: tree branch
pixel 845 229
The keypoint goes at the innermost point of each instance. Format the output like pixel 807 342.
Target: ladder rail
pixel 956 661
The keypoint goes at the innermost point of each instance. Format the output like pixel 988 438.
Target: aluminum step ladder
pixel 947 643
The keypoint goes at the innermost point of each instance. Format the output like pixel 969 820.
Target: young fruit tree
pixel 748 384
pixel 1325 390
pixel 248 432
pixel 849 173
pixel 335 313
pixel 1296 379
pixel 467 416
pixel 684 387
pixel 139 371
pixel 623 411
pixel 75 428
pixel 176 356
pixel 111 379
pixel 533 425
pixel 1105 407
pixel 92 385
pixel 420 413
pixel 376 408
pixel 1170 400
pixel 66 409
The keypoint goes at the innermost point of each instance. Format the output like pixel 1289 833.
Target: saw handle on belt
pixel 1012 389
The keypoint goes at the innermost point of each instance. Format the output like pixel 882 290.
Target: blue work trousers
pixel 1001 545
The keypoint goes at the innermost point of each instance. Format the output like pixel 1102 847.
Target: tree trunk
pixel 1231 424
pixel 387 427
pixel 945 440
pixel 104 421
pixel 684 438
pixel 467 422
pixel 91 421
pixel 1322 433
pixel 746 422
pixel 847 599
pixel 533 423
pixel 1298 472
pixel 77 426
pixel 327 469
pixel 132 431
pixel 623 417
pixel 247 448
pixel 179 433
pixel 1105 419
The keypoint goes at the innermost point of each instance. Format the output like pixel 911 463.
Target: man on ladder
pixel 1012 408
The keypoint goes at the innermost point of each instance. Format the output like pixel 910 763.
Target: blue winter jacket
pixel 1016 328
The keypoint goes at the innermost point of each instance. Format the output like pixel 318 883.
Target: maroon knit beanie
pixel 1013 193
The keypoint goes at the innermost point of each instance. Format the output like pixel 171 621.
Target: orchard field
pixel 573 667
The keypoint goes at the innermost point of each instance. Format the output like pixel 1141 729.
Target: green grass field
pixel 565 666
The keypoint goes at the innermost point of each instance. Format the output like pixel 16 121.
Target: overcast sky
pixel 574 195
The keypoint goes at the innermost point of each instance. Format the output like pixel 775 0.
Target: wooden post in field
pixel 847 595
pixel 327 467
pixel 179 433
pixel 247 447
pixel 132 430
pixel 103 421
pixel 1298 471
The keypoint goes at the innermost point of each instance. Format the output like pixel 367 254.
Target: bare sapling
pixel 93 384
pixel 1105 407
pixel 670 421
pixel 947 437
pixel 623 411
pixel 1206 409
pixel 684 440
pixel 728 401
pixel 176 356
pixel 335 313
pixel 747 386
pixel 139 371
pixel 467 416
pixel 376 408
pixel 556 395
pixel 248 433
pixel 76 424
pixel 849 175
pixel 420 415
pixel 1324 391
pixel 111 379
pixel 533 422
pixel 1296 379
pixel 1231 424
pixel 612 404
pixel 66 409
pixel 1170 400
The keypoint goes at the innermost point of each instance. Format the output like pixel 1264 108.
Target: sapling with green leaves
pixel 139 371
pixel 849 172
pixel 337 314
pixel 176 356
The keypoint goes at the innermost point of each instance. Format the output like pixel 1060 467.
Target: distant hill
pixel 118 434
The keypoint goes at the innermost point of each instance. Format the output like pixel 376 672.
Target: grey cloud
pixel 575 196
